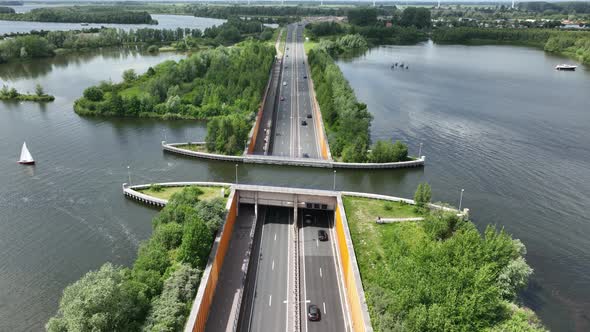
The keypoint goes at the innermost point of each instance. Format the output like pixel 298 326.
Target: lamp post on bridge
pixel 236 173
pixel 334 186
pixel 461 199
pixel 129 174
pixel 420 151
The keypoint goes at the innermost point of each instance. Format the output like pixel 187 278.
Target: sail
pixel 25 155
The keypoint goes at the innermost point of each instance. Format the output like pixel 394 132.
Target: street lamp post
pixel 334 186
pixel 461 199
pixel 420 151
pixel 129 174
pixel 236 173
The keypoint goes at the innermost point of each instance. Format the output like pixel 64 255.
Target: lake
pixel 164 22
pixel 497 121
pixel 501 123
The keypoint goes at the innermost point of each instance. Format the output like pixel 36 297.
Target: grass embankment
pixel 439 274
pixel 208 192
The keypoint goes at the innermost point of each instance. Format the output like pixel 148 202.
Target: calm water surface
pixel 164 22
pixel 514 137
pixel 501 123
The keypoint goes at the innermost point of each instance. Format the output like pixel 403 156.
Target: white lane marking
pixel 317 243
pixel 275 236
pixel 304 285
pixel 324 308
pixel 273 264
pixel 270 301
pixel 321 273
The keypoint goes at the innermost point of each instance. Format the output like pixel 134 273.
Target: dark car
pixel 313 313
pixel 305 155
pixel 304 76
pixel 309 115
pixel 308 219
pixel 282 98
pixel 304 123
pixel 322 235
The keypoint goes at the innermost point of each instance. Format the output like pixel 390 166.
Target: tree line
pixel 375 34
pixel 575 44
pixel 222 85
pixel 156 293
pixel 347 121
pixel 43 43
pixel 82 14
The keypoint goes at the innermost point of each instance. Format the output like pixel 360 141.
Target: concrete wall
pixel 254 131
pixel 359 312
pixel 202 304
pixel 286 161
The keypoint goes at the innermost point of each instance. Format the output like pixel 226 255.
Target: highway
pixel 291 137
pixel 320 283
pixel 268 307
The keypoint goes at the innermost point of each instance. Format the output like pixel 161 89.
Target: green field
pixel 167 192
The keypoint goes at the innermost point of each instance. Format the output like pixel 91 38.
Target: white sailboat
pixel 25 156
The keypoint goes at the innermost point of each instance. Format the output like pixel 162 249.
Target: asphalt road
pixel 291 137
pixel 269 307
pixel 320 281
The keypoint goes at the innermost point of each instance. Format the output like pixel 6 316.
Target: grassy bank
pixel 439 274
pixel 208 192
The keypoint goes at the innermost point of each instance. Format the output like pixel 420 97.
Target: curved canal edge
pixel 285 161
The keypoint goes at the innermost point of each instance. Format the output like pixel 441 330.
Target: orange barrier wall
pixel 321 133
pixel 260 110
pixel 351 288
pixel 216 267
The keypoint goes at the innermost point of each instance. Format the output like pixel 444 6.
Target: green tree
pixel 422 196
pixel 129 75
pixel 196 242
pixel 103 300
pixel 93 93
pixel 39 90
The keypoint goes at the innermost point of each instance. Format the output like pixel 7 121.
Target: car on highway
pixel 305 76
pixel 309 115
pixel 322 235
pixel 304 123
pixel 285 83
pixel 282 98
pixel 306 155
pixel 313 313
pixel 308 219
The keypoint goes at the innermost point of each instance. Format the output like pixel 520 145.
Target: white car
pixel 284 83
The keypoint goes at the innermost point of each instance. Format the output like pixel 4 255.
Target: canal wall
pixel 286 161
pixel 253 136
pixel 357 303
pixel 202 304
pixel 132 191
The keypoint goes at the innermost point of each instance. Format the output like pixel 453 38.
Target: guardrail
pixel 287 161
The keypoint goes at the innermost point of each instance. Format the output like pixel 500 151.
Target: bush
pixel 422 197
pixel 153 49
pixel 103 300
pixel 156 187
pixel 93 94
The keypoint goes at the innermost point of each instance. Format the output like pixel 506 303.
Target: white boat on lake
pixel 25 156
pixel 566 67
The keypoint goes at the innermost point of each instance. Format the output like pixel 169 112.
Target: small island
pixel 7 93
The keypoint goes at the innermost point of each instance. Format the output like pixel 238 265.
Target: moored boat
pixel 25 156
pixel 566 67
